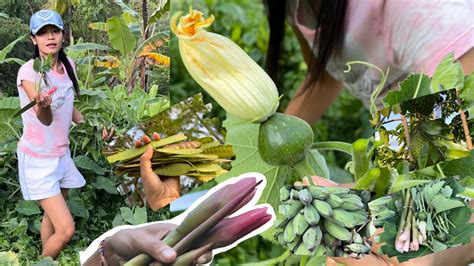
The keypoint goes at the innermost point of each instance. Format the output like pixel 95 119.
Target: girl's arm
pixel 42 108
pixel 77 116
pixel 313 102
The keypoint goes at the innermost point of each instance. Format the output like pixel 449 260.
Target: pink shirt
pixel 403 35
pixel 39 140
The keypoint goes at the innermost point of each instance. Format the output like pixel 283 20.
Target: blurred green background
pixel 245 23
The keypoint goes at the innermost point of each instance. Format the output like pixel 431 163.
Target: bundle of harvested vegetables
pixel 208 226
pixel 203 160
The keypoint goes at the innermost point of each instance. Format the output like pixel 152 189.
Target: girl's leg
pixel 58 214
pixel 47 229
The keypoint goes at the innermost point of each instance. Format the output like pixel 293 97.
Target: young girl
pixel 46 169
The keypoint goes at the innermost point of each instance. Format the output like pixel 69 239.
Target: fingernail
pixel 168 253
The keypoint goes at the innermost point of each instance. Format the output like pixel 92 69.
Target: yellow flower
pixel 224 70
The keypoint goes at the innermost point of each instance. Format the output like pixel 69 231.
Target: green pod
pixel 284 194
pixel 323 208
pixel 293 208
pixel 311 215
pixel 312 238
pixel 305 197
pixel 358 248
pixel 300 224
pixel 334 200
pixel 337 231
pixel 356 238
pixel 318 192
pixel 289 234
pixel 329 240
pixel 344 218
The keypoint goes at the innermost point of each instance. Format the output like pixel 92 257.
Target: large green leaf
pixel 88 46
pixel 27 207
pixel 126 8
pixel 120 36
pixel 88 164
pixel 408 89
pixel 8 48
pixel 106 184
pixel 155 41
pixel 163 7
pixel 448 75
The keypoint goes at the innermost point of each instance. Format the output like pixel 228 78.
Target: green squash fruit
pixel 284 140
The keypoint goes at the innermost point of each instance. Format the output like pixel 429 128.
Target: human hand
pixel 127 243
pixel 43 100
pixel 160 191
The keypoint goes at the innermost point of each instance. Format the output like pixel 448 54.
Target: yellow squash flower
pixel 224 70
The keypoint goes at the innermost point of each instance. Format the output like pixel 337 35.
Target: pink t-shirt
pixel 405 35
pixel 39 140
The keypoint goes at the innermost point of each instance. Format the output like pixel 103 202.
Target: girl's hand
pixel 43 100
pixel 159 192
pixel 127 243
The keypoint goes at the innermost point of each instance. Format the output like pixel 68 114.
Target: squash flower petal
pixel 224 70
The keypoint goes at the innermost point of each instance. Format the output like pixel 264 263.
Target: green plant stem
pixel 303 260
pixel 360 160
pixel 368 178
pixel 304 168
pixel 404 212
pixel 272 261
pixel 333 145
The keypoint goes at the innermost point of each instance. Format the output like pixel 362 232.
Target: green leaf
pixel 78 207
pixel 127 215
pixel 126 8
pixel 163 7
pixel 120 36
pixel 88 46
pixel 4 52
pixel 106 184
pixel 27 207
pixel 448 75
pixel 88 164
pixel 442 204
pixel 459 167
pixel 461 234
pixel 404 181
pixel 408 89
pixel 140 215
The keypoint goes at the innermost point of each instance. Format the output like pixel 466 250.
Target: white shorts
pixel 42 178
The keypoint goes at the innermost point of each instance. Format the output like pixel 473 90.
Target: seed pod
pixel 289 234
pixel 343 218
pixel 337 231
pixel 334 200
pixel 352 202
pixel 300 224
pixel 305 197
pixel 311 214
pixel 329 240
pixel 323 207
pixel 356 238
pixel 337 190
pixel 318 192
pixel 312 238
pixel 358 248
pixel 293 208
pixel 329 251
pixel 284 194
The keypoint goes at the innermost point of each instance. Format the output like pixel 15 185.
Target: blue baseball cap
pixel 43 18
